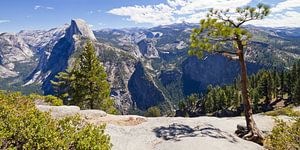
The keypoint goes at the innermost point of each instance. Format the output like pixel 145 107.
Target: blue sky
pixel 16 15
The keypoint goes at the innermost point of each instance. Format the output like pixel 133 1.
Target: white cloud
pixel 49 8
pixel 174 11
pixel 36 7
pixel 91 26
pixel 4 21
pixel 286 5
pixel 193 6
pixel 193 18
pixel 101 24
pixel 287 19
pixel 154 14
pixel 282 14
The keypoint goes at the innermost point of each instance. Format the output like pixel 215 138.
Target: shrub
pixel 284 136
pixel 22 126
pixel 153 112
pixel 52 100
pixel 287 111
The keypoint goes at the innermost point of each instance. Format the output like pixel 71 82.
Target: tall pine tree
pixel 86 85
pixel 221 29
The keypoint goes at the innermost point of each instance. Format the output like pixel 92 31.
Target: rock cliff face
pixel 56 55
pixel 79 27
pixel 13 49
pixel 213 69
pixel 143 90
pixel 147 48
pixel 22 49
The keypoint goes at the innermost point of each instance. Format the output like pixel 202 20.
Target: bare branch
pixel 231 57
pixel 226 52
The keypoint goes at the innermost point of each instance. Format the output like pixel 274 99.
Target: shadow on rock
pixel 178 131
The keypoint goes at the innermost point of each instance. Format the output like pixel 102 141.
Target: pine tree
pixel 281 84
pixel 296 92
pixel 220 30
pixel 265 88
pixel 275 84
pixel 62 84
pixel 255 98
pixel 86 84
pixel 288 85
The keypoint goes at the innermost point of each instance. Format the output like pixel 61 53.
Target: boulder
pixel 59 111
pixel 92 114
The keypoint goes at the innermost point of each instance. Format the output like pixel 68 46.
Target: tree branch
pixel 226 52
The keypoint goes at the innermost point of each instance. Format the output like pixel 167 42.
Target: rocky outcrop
pixel 147 48
pixel 81 28
pixel 143 90
pixel 13 49
pixel 119 66
pixel 213 69
pixel 164 133
pixel 55 57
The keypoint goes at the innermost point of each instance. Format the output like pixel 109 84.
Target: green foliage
pixel 287 111
pixel 220 30
pixel 218 98
pixel 284 135
pixel 63 85
pixel 50 99
pixel 153 112
pixel 296 92
pixel 191 106
pixel 22 126
pixel 265 87
pixel 255 99
pixel 85 84
pixel 14 84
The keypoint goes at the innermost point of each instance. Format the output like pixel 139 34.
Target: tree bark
pixel 252 133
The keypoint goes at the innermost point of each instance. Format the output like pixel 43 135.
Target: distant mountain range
pixel 146 67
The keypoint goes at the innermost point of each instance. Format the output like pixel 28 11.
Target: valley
pixel 146 67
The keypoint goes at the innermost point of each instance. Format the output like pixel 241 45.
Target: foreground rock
pixel 91 116
pixel 169 133
pixel 164 133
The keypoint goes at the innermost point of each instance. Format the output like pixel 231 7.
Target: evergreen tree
pixel 62 85
pixel 281 84
pixel 255 98
pixel 296 92
pixel 275 84
pixel 265 88
pixel 288 85
pixel 220 30
pixel 86 84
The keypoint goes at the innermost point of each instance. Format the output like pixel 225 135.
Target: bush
pixel 52 100
pixel 284 136
pixel 287 111
pixel 22 126
pixel 153 112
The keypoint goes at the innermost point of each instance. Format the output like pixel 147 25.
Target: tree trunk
pixel 252 133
